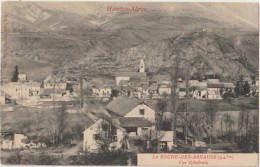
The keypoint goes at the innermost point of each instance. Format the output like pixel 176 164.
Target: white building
pixel 16 90
pixel 199 93
pixel 54 82
pixel 12 141
pixel 213 91
pixel 165 89
pixel 101 92
pixel 95 131
pixel 193 83
pixel 34 88
pixel 166 140
pixel 22 77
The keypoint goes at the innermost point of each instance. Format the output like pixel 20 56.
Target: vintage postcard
pixel 130 83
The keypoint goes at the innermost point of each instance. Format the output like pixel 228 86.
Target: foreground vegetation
pixel 62 133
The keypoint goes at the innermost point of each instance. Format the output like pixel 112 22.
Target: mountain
pixel 205 51
pixel 47 36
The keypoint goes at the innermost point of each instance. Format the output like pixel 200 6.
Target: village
pixel 136 114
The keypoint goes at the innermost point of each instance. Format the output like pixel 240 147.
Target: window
pixel 141 111
pixel 163 145
pixel 96 137
pixel 114 138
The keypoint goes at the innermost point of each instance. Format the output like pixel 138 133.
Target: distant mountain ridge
pixel 46 36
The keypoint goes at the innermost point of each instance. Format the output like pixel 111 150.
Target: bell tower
pixel 141 66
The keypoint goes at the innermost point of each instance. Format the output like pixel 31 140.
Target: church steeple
pixel 141 66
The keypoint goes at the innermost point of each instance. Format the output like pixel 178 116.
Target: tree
pixel 210 118
pixel 250 143
pixel 114 93
pixel 174 98
pixel 229 124
pixel 61 124
pixel 187 118
pixel 247 121
pixel 81 92
pixel 196 125
pixel 237 89
pixel 77 130
pixel 239 86
pixel 241 122
pixel 162 105
pixel 106 136
pixel 228 95
pixel 246 88
pixel 15 75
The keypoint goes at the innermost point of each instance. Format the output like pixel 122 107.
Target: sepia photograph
pixel 108 83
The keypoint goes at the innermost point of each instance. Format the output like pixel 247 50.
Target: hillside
pixel 44 36
pixel 209 53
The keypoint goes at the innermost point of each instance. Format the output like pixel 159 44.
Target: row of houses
pixel 139 85
pixel 52 88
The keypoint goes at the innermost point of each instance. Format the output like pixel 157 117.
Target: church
pixel 122 78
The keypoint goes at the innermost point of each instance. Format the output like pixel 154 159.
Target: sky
pixel 241 13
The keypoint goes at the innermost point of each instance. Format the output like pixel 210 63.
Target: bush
pixel 109 158
pixel 14 158
pixel 29 159
pixel 249 145
pixel 230 136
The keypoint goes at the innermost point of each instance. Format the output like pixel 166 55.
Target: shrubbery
pixel 102 158
pixel 29 159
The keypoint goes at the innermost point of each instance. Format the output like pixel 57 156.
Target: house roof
pixel 161 78
pixel 130 74
pixel 32 83
pixel 225 80
pixel 216 85
pixel 134 122
pixel 165 86
pixel 122 105
pixel 139 79
pixel 90 120
pixel 93 119
pixel 228 85
pixel 123 82
pixel 167 136
pixel 180 79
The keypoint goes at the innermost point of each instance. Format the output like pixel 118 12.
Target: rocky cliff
pixel 205 51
